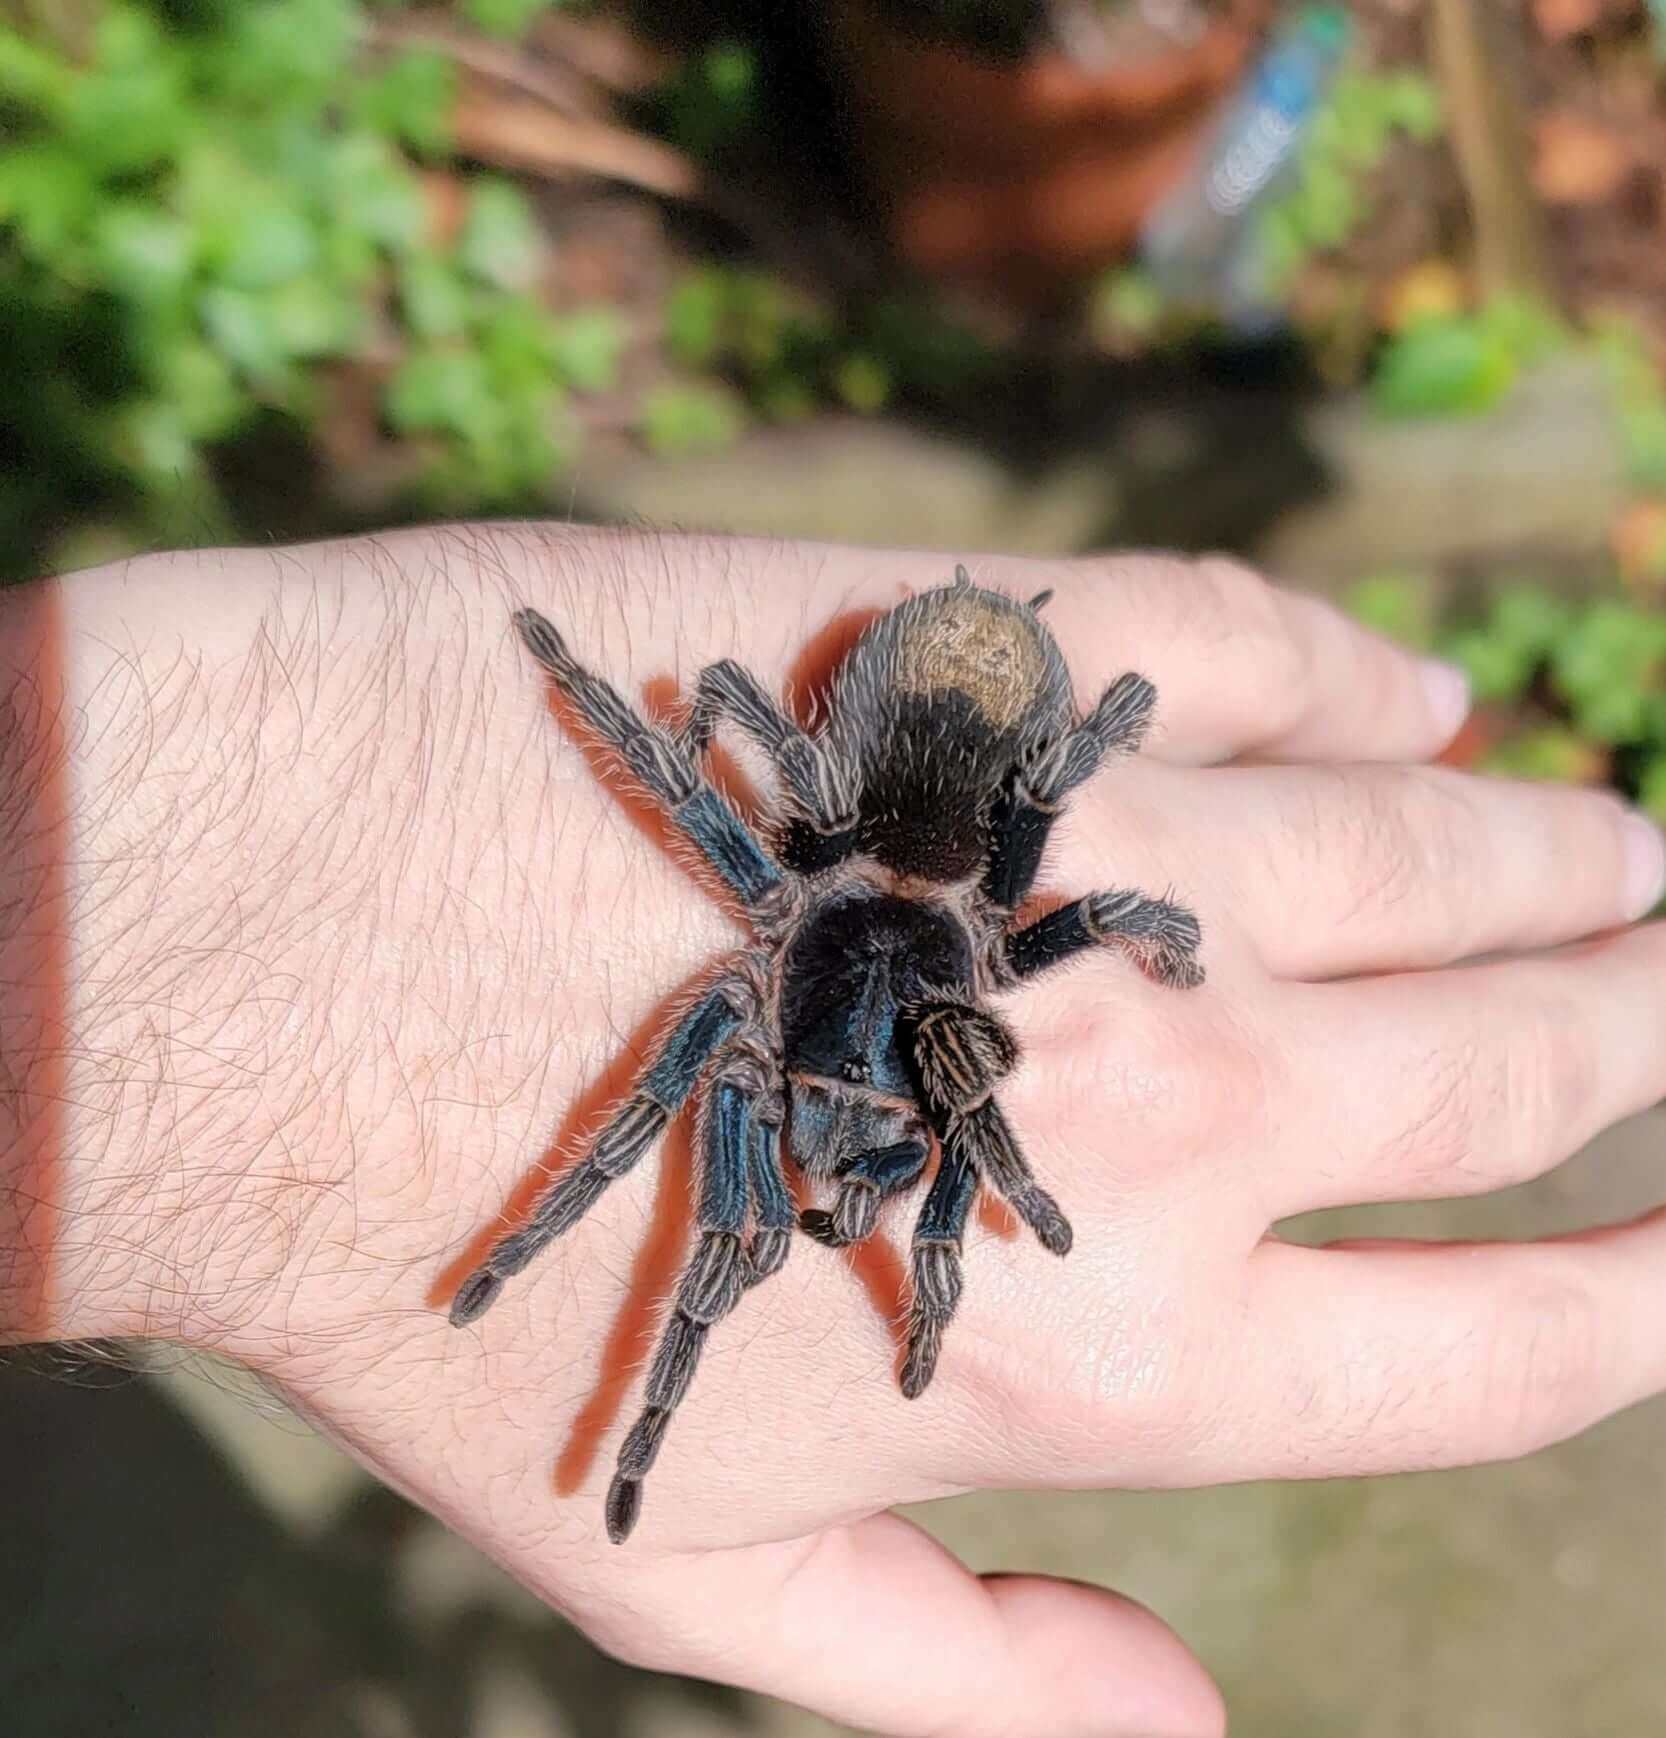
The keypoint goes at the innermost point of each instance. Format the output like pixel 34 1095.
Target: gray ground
pixel 220 1570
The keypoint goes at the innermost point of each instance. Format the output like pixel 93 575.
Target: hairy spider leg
pixel 959 1053
pixel 1024 816
pixel 661 764
pixel 772 1205
pixel 1159 935
pixel 711 1285
pixel 627 1135
pixel 985 1137
pixel 820 786
pixel 874 1175
pixel 934 1266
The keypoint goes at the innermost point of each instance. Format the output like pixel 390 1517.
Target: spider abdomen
pixel 935 705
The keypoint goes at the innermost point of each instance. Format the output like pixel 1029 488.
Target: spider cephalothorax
pixel 910 828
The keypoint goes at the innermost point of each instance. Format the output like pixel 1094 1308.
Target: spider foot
pixel 475 1296
pixel 816 1222
pixel 624 1505
pixel 937 1280
pixel 925 1340
pixel 1041 1213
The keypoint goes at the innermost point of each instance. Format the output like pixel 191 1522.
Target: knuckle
pixel 1437 1141
pixel 1189 1082
pixel 1544 1365
pixel 1546 1077
pixel 1408 844
pixel 1242 608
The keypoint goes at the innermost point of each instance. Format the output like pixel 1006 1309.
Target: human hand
pixel 352 935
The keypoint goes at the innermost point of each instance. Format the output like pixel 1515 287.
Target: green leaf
pixel 1396 604
pixel 863 382
pixel 195 381
pixel 1553 752
pixel 504 17
pixel 375 195
pixel 131 109
pixel 587 346
pixel 1414 104
pixel 1443 366
pixel 518 341
pixel 783 398
pixel 1610 668
pixel 433 296
pixel 1651 788
pixel 1497 671
pixel 48 197
pixel 714 99
pixel 152 439
pixel 33 76
pixel 1530 620
pixel 1128 301
pixel 245 330
pixel 266 242
pixel 441 389
pixel 143 252
pixel 313 318
pixel 292 52
pixel 680 420
pixel 500 241
pixel 695 313
pixel 412 100
pixel 1524 326
pixel 1643 435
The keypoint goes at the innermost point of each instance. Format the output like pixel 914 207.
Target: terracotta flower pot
pixel 1026 175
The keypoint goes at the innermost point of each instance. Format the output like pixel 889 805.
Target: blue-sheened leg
pixel 935 1263
pixel 1162 937
pixel 709 1289
pixel 861 1189
pixel 772 1205
pixel 633 1128
pixel 664 767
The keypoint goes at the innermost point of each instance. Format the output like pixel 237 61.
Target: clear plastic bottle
pixel 1200 244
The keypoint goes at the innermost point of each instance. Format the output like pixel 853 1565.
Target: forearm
pixel 244 942
pixel 308 890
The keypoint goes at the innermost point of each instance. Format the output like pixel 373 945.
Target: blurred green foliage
pixel 1348 140
pixel 224 201
pixel 1575 689
pixel 1463 363
pixel 218 217
pixel 790 355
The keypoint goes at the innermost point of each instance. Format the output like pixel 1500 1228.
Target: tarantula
pixel 910 829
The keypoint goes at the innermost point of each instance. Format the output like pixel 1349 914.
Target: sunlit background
pixel 1374 294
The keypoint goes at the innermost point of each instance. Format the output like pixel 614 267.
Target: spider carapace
pixel 851 1035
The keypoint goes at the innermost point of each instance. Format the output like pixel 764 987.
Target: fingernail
pixel 1645 860
pixel 1446 688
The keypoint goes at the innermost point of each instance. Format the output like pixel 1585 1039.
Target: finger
pixel 877 1626
pixel 1242 667
pixel 1335 870
pixel 1458 1082
pixel 1410 1356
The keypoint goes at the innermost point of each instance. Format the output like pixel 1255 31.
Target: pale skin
pixel 352 932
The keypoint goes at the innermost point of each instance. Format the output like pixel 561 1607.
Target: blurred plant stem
pixel 1469 52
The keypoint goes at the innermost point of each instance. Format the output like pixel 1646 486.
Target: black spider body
pixel 935 706
pixel 911 827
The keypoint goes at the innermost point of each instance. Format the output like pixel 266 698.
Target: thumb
pixel 878 1626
